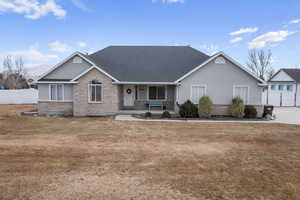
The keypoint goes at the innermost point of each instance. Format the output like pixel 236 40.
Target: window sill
pixel 55 101
pixel 95 102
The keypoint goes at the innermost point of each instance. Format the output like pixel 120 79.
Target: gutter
pixel 56 82
pixel 144 83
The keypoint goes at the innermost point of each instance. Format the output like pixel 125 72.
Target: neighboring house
pixel 284 88
pixel 120 78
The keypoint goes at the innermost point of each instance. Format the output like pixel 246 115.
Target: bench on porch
pixel 156 103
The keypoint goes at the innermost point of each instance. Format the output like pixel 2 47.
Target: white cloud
pixel 32 54
pixel 32 9
pixel 82 44
pixel 262 40
pixel 235 40
pixel 244 30
pixel 59 46
pixel 295 21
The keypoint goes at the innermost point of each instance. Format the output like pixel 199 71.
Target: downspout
pixel 296 94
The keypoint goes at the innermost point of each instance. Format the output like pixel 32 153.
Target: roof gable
pixel 281 75
pixel 293 73
pixel 217 55
pixel 72 74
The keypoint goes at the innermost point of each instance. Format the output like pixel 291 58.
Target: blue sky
pixel 46 31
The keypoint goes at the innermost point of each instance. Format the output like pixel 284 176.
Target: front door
pixel 129 95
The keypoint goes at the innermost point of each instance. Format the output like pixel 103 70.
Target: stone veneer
pixel 225 110
pixel 55 108
pixel 110 99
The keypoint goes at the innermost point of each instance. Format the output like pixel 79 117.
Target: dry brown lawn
pixel 98 158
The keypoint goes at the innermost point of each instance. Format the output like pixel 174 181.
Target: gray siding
pixel 43 91
pixel 220 80
pixel 68 70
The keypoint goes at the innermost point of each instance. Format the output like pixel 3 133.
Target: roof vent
pixel 220 60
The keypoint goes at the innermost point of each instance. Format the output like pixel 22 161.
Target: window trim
pixel 197 85
pixel 248 93
pixel 63 93
pixel 166 93
pixel 89 99
pixel 283 87
pixel 275 87
pixel 292 85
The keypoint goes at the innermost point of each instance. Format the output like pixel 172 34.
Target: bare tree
pixel 14 73
pixel 259 62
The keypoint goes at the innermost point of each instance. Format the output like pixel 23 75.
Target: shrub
pixel 205 107
pixel 148 114
pixel 188 109
pixel 237 108
pixel 250 111
pixel 166 114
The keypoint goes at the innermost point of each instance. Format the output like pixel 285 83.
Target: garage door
pixel 282 98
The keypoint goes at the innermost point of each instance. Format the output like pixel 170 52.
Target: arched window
pixel 77 60
pixel 220 60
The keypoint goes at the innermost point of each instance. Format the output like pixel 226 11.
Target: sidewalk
pixel 131 118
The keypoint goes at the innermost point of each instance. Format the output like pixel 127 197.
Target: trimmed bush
pixel 188 110
pixel 237 108
pixel 148 114
pixel 166 114
pixel 250 111
pixel 205 107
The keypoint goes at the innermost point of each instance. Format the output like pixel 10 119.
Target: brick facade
pixel 55 108
pixel 225 110
pixel 110 99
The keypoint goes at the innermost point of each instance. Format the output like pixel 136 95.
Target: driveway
pixel 287 115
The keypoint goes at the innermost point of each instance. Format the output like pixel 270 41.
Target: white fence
pixel 23 96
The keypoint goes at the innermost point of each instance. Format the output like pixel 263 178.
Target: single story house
pixel 284 88
pixel 121 78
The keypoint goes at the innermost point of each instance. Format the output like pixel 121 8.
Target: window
pixel 289 88
pixel 281 87
pixel 95 93
pixel 242 92
pixel 157 92
pixel 197 91
pixel 77 60
pixel 273 87
pixel 56 92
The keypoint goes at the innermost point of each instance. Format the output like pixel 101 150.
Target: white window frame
pixel 275 87
pixel 166 93
pixel 197 85
pixel 245 86
pixel 283 87
pixel 89 99
pixel 63 92
pixel 288 89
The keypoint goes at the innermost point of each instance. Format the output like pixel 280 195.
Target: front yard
pixel 98 158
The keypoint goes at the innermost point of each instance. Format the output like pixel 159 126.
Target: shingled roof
pixel 293 73
pixel 148 63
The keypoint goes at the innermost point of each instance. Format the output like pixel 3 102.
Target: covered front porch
pixel 141 98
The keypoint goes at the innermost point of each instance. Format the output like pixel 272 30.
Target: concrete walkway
pixel 131 118
pixel 283 115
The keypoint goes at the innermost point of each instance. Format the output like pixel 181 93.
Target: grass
pixel 99 158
